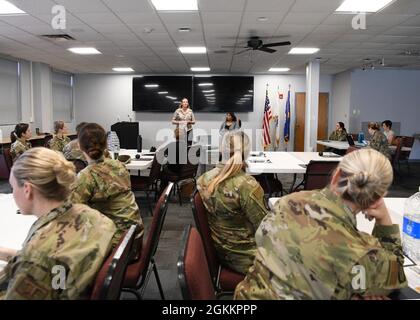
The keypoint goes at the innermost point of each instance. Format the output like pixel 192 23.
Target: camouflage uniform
pixel 105 186
pixel 380 143
pixel 309 248
pixel 58 144
pixel 338 135
pixel 18 147
pixel 72 151
pixel 75 237
pixel 235 211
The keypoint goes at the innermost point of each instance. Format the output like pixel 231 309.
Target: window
pixel 9 92
pixel 62 93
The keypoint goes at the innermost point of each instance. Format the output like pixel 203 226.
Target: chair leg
pixel 157 279
pixel 148 203
pixel 179 194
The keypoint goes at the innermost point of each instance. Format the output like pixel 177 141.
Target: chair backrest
pixel 154 170
pixel 149 249
pixel 193 276
pixel 6 163
pixel 189 170
pixel 202 224
pixel 78 164
pixel 110 278
pixel 47 140
pixel 351 149
pixel 318 174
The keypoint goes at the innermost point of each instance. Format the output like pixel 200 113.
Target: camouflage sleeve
pixel 54 145
pixel 31 281
pixel 343 136
pixel 252 203
pixel 332 136
pixel 83 190
pixel 376 142
pixel 383 267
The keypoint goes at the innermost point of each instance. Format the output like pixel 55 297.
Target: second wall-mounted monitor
pixel 160 93
pixel 223 94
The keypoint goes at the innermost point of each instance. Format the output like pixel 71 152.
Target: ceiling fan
pixel 255 43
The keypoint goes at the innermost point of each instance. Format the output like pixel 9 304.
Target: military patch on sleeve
pixel 27 288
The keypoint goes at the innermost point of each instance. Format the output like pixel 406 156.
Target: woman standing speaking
pixel 183 118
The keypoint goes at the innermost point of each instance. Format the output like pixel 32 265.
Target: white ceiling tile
pixel 180 17
pixel 269 5
pixel 98 18
pixel 84 6
pixel 404 7
pixel 316 6
pixel 383 19
pixel 221 17
pixel 129 5
pixel 403 31
pixel 414 21
pixel 305 18
pixel 139 18
pixel 218 5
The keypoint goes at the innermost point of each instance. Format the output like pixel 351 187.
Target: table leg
pixel 293 183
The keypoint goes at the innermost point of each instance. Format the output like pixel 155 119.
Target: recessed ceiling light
pixel 303 50
pixel 151 85
pixel 123 69
pixel 191 50
pixel 163 92
pixel 208 91
pixel 172 98
pixel 7 8
pixel 279 69
pixel 184 29
pixel 205 84
pixel 363 5
pixel 200 69
pixel 262 19
pixel 178 5
pixel 86 50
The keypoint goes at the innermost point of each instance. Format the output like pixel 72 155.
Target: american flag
pixel 267 118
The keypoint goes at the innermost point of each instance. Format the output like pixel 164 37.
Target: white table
pixel 13 227
pixel 138 164
pixel 344 145
pixel 396 210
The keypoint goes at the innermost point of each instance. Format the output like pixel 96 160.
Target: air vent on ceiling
pixel 58 37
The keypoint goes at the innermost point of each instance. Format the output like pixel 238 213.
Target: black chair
pixel 47 140
pixel 110 277
pixel 148 184
pixel 318 174
pixel 138 272
pixel 193 275
pixel 187 171
pixel 6 163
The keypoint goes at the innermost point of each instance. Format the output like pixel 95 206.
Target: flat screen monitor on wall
pixel 160 93
pixel 223 94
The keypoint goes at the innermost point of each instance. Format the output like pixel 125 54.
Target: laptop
pixel 350 140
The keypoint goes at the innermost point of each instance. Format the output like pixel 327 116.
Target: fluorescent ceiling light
pixel 200 69
pixel 303 50
pixel 151 85
pixel 205 84
pixel 208 91
pixel 279 69
pixel 87 50
pixel 209 95
pixel 248 95
pixel 363 5
pixel 169 97
pixel 250 91
pixel 163 92
pixel 192 50
pixel 7 8
pixel 123 69
pixel 178 5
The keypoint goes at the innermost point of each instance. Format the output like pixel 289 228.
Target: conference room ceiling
pixel 132 33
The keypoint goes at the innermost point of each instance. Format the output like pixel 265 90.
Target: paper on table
pixel 413 277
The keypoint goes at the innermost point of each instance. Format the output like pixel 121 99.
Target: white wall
pixel 107 98
pixel 386 94
pixel 340 99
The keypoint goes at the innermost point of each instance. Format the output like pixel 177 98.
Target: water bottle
pixel 361 137
pixel 411 228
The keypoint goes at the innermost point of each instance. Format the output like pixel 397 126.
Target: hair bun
pixel 65 172
pixel 360 179
pixel 95 153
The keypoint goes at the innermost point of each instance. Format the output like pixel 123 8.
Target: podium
pixel 127 133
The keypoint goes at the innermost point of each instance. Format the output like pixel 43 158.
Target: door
pixel 323 112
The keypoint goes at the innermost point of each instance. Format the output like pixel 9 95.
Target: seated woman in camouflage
pixel 235 204
pixel 72 150
pixel 67 240
pixel 309 246
pixel 59 141
pixel 378 141
pixel 19 138
pixel 340 133
pixel 105 184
